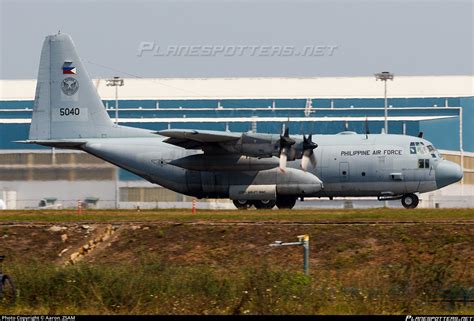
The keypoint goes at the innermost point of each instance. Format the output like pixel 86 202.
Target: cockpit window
pixel 412 148
pixel 433 151
pixel 422 149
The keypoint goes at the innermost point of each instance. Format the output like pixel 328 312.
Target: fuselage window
pixel 421 163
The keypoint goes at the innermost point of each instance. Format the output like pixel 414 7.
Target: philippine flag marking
pixel 68 68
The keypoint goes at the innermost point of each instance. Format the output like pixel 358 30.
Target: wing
pixel 197 139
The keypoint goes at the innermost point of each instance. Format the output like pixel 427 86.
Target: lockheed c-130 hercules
pixel 252 169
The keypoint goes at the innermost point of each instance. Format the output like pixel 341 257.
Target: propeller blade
pixel 285 146
pixel 305 161
pixel 283 159
pixel 308 154
pixel 313 160
pixel 308 158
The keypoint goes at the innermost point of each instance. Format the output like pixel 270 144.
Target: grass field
pixel 153 265
pixel 382 214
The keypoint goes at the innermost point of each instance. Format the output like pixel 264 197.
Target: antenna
pixel 367 132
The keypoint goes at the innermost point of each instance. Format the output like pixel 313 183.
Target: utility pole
pixel 384 76
pixel 116 82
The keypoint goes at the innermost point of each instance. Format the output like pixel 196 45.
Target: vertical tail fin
pixel 66 102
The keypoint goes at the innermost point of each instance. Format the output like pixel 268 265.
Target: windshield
pixel 433 151
pixel 421 149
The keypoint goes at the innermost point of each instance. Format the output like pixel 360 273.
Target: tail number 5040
pixel 69 111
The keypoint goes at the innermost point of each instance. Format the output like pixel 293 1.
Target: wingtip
pixel 22 141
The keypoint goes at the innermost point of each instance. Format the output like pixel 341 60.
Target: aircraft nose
pixel 447 173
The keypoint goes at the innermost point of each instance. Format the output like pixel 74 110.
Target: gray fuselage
pixel 348 164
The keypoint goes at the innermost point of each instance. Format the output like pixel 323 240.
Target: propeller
pixel 308 152
pixel 285 145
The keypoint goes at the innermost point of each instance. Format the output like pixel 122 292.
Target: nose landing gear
pixel 410 200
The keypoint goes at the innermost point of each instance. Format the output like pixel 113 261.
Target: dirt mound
pixel 332 246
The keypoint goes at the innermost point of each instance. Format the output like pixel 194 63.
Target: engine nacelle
pixel 297 183
pixel 256 145
pixel 293 182
pixel 252 192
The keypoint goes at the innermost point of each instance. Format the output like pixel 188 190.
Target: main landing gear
pixel 285 202
pixel 282 202
pixel 410 201
pixel 242 204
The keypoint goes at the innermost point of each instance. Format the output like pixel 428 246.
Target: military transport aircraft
pixel 252 169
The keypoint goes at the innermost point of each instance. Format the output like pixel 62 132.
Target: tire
pixel 242 204
pixel 7 290
pixel 410 201
pixel 264 204
pixel 286 202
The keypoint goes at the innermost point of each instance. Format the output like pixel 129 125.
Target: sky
pixel 341 37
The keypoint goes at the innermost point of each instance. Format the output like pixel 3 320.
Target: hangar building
pixel 442 107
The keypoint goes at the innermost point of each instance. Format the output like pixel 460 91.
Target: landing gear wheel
pixel 285 202
pixel 242 204
pixel 264 204
pixel 410 201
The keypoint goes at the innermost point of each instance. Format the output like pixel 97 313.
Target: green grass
pixel 152 287
pixel 404 269
pixel 173 215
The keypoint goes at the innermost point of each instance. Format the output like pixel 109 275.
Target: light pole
pixel 384 76
pixel 115 82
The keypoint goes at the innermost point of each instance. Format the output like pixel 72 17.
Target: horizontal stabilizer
pixel 74 144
